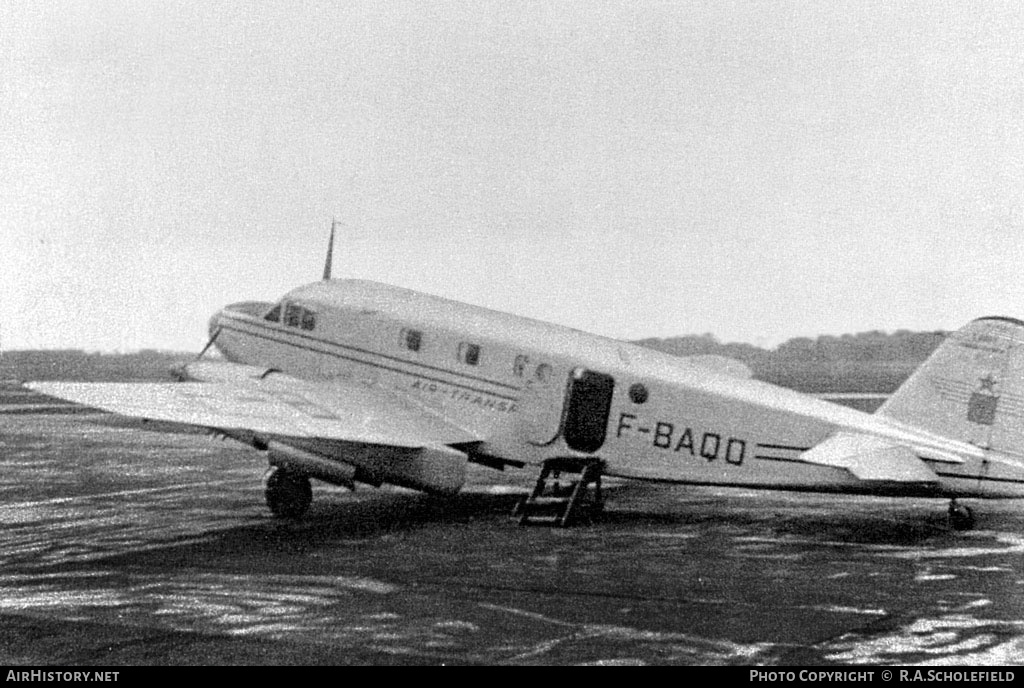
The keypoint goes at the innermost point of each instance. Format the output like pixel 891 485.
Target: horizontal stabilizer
pixel 871 458
pixel 722 365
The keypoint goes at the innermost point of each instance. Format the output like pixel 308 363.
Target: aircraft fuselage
pixel 536 391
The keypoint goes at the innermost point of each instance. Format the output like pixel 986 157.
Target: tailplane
pixel 971 388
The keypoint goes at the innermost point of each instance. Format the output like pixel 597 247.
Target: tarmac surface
pixel 123 547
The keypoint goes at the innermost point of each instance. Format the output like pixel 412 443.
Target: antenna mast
pixel 330 252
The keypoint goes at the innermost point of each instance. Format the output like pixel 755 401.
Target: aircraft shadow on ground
pixel 330 520
pixel 825 518
pixel 897 529
pixel 859 528
pixel 334 522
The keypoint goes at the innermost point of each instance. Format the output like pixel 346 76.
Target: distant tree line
pixel 872 361
pixel 901 345
pixel 866 362
pixel 75 364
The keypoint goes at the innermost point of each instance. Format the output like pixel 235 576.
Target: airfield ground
pixel 122 547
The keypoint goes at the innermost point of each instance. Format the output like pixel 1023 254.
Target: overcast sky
pixel 755 170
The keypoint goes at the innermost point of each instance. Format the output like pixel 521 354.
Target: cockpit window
pixel 292 315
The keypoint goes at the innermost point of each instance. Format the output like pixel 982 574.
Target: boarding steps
pixel 561 496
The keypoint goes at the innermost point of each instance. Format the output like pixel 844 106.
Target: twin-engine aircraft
pixel 350 381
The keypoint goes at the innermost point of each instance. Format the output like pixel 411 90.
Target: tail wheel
pixel 960 516
pixel 288 493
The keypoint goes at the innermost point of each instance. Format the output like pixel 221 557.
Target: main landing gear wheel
pixel 960 516
pixel 288 493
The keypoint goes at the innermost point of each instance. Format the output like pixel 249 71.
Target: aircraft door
pixel 541 406
pixel 588 402
pixel 576 409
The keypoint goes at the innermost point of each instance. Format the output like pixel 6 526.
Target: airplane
pixel 351 381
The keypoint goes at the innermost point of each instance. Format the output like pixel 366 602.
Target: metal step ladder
pixel 562 496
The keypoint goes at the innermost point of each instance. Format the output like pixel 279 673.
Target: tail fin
pixel 971 388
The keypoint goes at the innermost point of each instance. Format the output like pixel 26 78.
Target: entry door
pixel 588 402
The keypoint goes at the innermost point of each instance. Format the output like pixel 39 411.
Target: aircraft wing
pixel 277 405
pixel 869 457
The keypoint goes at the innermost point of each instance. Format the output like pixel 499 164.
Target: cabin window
pixel 519 365
pixel 412 339
pixel 308 319
pixel 469 353
pixel 637 393
pixel 274 315
pixel 543 372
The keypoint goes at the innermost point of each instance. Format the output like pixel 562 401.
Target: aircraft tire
pixel 960 517
pixel 288 493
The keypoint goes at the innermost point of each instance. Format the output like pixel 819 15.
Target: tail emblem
pixel 982 405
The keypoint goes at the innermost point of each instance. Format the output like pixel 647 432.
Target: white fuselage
pixel 534 391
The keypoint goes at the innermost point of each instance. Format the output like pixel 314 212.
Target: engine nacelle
pixel 437 469
pixel 313 465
